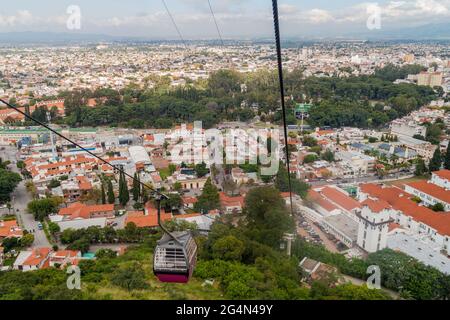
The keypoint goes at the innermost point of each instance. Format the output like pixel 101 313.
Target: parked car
pixel 40 226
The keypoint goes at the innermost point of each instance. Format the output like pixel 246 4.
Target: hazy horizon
pixel 237 19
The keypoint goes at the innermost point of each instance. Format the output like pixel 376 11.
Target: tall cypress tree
pixel 136 188
pixel 124 195
pixel 447 158
pixel 144 195
pixel 103 193
pixel 436 161
pixel 111 196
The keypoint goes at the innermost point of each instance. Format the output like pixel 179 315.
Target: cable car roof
pixel 167 241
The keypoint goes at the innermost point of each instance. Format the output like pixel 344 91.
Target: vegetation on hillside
pixel 363 101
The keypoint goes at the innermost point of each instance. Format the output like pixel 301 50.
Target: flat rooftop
pixel 420 248
pixel 344 224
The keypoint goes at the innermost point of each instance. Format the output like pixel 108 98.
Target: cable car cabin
pixel 174 261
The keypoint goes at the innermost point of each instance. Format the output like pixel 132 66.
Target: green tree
pixel 309 141
pixel 228 248
pixel 209 199
pixel 436 161
pixel 201 170
pixel 105 254
pixel 124 193
pixel 174 201
pixel 80 244
pixel 8 182
pixel 111 196
pixel 130 277
pixel 282 182
pixel 421 167
pixel 438 207
pixel 53 228
pixel 103 193
pixel 27 240
pixel 41 208
pixel 447 158
pixel 136 190
pixel 310 158
pixel 267 216
pixel 328 155
pixel 54 183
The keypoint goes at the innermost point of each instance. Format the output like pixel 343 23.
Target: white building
pixel 401 127
pixel 32 259
pixel 419 247
pixel 441 178
pixel 360 163
pixel 139 155
pixel 436 190
pixel 373 225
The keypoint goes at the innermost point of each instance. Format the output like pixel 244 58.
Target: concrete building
pixel 430 79
pixel 342 228
pixel 360 163
pixel 430 193
pixel 419 247
pixel 374 219
pixel 400 127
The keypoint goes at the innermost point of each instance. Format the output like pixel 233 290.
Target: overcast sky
pixel 236 18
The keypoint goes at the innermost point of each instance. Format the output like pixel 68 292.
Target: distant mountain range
pixel 56 38
pixel 439 31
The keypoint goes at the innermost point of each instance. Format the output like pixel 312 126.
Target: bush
pixel 310 158
pixel 130 277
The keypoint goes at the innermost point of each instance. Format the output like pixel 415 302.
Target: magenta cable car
pixel 175 257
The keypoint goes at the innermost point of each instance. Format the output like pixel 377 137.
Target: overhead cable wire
pixel 215 22
pixel 117 168
pixel 174 23
pixel 82 148
pixel 283 104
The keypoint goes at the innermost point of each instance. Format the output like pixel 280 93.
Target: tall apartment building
pixel 431 79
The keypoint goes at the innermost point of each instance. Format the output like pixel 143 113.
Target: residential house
pixel 34 259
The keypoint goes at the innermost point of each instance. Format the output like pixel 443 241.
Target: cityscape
pixel 173 170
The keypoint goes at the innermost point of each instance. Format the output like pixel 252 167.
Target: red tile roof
pixel 444 174
pixel 83 183
pixel 189 200
pixel 431 189
pixel 81 210
pixel 401 201
pixel 321 201
pixel 376 206
pixel 10 229
pixel 340 198
pixel 37 256
pixel 227 201
pixel 150 220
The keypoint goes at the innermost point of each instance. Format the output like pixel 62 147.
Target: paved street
pixel 20 199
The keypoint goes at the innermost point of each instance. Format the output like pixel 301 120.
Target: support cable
pixel 283 104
